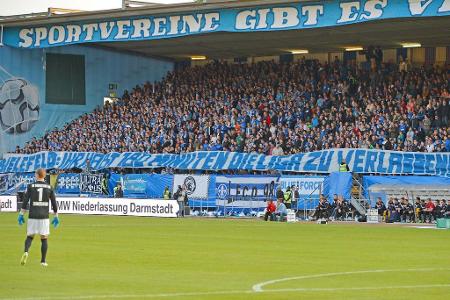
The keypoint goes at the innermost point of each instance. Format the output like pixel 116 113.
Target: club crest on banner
pixel 190 185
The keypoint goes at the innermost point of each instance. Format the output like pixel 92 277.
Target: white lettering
pixel 106 29
pixel 73 33
pixel 160 26
pixel 141 28
pixel 262 23
pixel 123 29
pixel 56 34
pixel 211 21
pixel 312 11
pixel 41 34
pixel 89 28
pixel 26 39
pixel 374 8
pixel 246 19
pixel 416 7
pixel 191 22
pixel 349 11
pixel 174 20
pixel 445 6
pixel 285 17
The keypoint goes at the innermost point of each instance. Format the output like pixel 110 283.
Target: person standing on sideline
pixel 343 167
pixel 38 194
pixel 180 196
pixel 288 197
pixel 295 198
pixel 105 185
pixel 166 194
pixel 118 191
pixel 280 194
pixel 88 168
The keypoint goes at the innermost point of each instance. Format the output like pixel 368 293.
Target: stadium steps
pixel 360 205
pixel 357 199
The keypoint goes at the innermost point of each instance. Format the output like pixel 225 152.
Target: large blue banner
pixel 325 161
pixel 68 184
pixel 12 183
pixel 264 18
pixel 146 185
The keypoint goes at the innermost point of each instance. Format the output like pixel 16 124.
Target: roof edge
pixel 44 19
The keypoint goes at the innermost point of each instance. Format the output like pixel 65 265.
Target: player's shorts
pixel 38 226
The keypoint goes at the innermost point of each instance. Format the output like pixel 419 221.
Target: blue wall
pixel 102 67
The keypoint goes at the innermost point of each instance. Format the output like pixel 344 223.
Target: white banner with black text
pixel 118 207
pixel 8 203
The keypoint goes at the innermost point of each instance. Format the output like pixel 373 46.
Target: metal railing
pixel 308 202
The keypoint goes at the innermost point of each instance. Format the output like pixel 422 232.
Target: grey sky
pixel 17 7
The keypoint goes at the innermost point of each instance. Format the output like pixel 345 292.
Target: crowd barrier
pixel 234 194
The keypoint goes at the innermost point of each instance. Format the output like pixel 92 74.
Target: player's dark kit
pixel 39 194
pixel 38 197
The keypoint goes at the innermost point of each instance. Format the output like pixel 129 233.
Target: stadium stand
pixel 271 108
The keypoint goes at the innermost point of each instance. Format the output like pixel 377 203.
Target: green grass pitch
pixel 104 257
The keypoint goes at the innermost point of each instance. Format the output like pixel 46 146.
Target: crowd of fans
pixel 271 108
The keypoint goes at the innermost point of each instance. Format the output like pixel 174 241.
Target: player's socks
pixel 24 258
pixel 28 243
pixel 44 247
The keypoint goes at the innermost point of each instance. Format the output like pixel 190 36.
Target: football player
pixel 39 195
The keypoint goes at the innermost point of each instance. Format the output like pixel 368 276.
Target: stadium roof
pixel 430 31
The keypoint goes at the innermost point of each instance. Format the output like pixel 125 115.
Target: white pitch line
pixel 369 288
pixel 231 292
pixel 259 286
